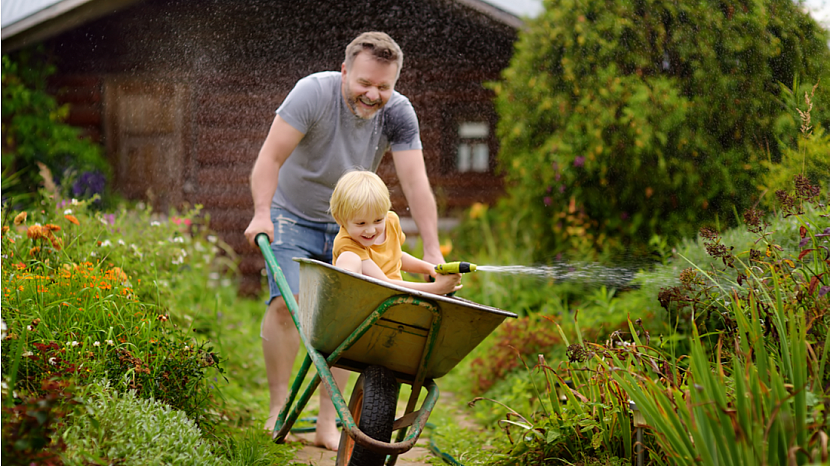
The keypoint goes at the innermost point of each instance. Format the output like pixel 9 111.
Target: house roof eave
pixel 55 19
pixel 493 12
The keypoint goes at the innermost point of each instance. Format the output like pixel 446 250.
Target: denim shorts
pixel 298 237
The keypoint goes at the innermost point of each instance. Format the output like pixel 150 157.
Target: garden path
pixel 417 456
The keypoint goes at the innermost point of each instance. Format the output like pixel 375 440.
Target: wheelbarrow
pixel 387 333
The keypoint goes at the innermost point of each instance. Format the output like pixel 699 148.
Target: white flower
pixel 186 347
pixel 121 242
pixel 29 328
pixel 27 354
pixel 67 212
pixel 97 343
pixel 75 202
pixel 155 224
pixel 178 239
pixel 110 342
pixel 211 238
pixel 92 254
pixel 106 242
pixel 74 343
pixel 53 361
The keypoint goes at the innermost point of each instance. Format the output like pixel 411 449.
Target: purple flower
pixel 579 161
pixel 562 189
pixel 823 291
pixel 89 184
pixel 548 201
pixel 824 233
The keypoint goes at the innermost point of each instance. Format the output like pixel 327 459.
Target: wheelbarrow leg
pixel 286 420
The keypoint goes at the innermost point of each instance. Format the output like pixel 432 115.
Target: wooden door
pixel 145 127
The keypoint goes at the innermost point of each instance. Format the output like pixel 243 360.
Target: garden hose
pixel 311 428
pixel 447 458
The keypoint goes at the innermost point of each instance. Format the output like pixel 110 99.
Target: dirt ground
pixel 315 456
pixel 417 456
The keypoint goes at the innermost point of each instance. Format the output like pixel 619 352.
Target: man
pixel 331 123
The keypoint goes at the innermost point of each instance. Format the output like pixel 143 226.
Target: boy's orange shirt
pixel 386 255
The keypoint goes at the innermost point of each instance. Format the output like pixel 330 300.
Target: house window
pixel 469 145
pixel 473 150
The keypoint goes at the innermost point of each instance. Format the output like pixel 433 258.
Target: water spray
pixel 455 267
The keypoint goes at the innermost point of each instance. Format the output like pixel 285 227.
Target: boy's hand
pixel 449 283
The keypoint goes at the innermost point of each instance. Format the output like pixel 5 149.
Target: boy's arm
pixel 349 261
pixel 412 264
pixel 443 284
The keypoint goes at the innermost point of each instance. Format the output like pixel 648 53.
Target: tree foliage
pixel 35 130
pixel 625 119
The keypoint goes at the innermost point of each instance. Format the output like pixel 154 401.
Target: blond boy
pixel 370 237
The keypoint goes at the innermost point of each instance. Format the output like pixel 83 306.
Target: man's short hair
pixel 357 192
pixel 379 45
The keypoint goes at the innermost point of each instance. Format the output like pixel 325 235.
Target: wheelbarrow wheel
pixel 373 408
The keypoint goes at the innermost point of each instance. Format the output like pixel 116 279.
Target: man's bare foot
pixel 327 437
pixel 269 423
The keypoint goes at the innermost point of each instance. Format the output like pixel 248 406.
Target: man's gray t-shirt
pixel 336 141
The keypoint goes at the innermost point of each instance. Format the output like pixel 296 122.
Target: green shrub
pixel 122 428
pixel 30 425
pixel 805 155
pixel 620 120
pixel 34 131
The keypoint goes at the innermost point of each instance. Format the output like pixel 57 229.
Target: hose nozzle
pixel 455 267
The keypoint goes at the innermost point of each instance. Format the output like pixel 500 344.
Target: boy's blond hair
pixel 356 192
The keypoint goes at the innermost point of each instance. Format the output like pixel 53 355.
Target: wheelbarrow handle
pixel 264 244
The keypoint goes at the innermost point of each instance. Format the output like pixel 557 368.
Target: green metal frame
pixel 290 412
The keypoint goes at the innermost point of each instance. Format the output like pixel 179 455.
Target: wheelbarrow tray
pixel 334 302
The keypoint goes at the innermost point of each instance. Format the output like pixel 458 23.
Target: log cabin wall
pixel 182 93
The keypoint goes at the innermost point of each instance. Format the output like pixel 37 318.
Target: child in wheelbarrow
pixel 370 237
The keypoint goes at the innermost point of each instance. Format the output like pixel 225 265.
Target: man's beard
pixel 361 111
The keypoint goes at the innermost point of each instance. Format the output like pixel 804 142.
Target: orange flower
pixel 57 243
pixel 35 232
pixel 52 227
pixel 20 218
pixel 446 248
pixel 5 229
pixel 34 250
pixel 72 219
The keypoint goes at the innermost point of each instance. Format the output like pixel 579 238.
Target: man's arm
pixel 281 141
pixel 409 164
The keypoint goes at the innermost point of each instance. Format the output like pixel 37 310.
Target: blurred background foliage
pixel 35 131
pixel 622 120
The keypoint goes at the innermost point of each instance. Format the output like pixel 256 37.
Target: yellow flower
pixel 72 219
pixel 21 217
pixel 477 210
